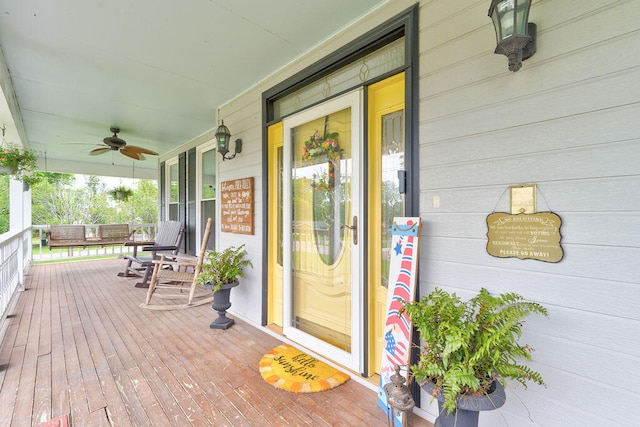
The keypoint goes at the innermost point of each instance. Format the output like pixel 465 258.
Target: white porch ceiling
pixel 158 69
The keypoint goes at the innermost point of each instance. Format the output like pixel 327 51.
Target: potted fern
pixel 469 350
pixel 220 272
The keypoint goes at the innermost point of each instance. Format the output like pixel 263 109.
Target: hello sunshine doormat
pixel 287 368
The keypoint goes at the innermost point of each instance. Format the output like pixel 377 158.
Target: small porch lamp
pixel 223 136
pixel 515 36
pixel 399 400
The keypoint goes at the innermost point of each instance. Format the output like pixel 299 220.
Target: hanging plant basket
pixel 121 193
pixel 19 163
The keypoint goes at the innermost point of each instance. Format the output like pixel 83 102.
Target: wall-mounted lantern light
pixel 223 136
pixel 515 36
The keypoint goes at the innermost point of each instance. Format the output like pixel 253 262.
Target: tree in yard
pixel 51 199
pixel 4 204
pixel 145 202
pixel 58 200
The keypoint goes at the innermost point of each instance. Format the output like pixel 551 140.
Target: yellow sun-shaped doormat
pixel 287 368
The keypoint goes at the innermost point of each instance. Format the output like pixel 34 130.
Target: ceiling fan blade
pixel 137 149
pixel 132 154
pixel 97 151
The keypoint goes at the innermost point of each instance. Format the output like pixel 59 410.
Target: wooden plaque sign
pixel 237 206
pixel 533 236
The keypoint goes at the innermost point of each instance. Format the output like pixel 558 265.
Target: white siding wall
pixel 568 121
pixel 243 117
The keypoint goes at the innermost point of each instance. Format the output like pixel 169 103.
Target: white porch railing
pixel 15 256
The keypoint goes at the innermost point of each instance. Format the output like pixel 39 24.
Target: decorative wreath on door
pixel 319 149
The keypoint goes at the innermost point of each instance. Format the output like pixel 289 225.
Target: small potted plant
pixel 21 163
pixel 469 350
pixel 220 272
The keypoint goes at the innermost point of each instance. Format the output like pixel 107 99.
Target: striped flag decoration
pixel 402 271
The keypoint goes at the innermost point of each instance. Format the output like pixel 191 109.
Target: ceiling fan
pixel 117 144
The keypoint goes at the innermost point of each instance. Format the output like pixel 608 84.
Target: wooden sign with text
pixel 236 206
pixel 533 236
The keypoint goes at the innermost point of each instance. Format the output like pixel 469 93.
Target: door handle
pixel 353 228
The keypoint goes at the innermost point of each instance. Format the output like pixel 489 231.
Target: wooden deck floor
pixel 78 344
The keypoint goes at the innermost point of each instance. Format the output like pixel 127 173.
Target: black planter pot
pixel 221 303
pixel 468 407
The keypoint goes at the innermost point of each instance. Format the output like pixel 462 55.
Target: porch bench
pixel 113 234
pixel 69 236
pixel 65 236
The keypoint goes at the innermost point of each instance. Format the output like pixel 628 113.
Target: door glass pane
pixel 280 199
pixel 392 163
pixel 321 248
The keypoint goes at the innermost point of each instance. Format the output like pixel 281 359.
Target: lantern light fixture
pixel 400 403
pixel 223 136
pixel 515 36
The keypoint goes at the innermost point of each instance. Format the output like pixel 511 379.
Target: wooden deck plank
pixel 42 393
pixel 79 409
pixel 121 364
pixel 105 361
pixel 84 332
pixel 44 298
pixel 165 340
pixel 187 364
pixel 159 366
pixel 9 378
pixel 10 387
pixel 100 418
pixel 157 396
pixel 59 382
pixel 30 325
pixel 216 360
pixel 189 355
pixel 271 413
pixel 100 348
pixel 224 364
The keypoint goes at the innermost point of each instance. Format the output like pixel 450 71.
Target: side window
pixel 208 191
pixel 173 190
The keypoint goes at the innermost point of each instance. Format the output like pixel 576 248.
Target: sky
pixel 110 181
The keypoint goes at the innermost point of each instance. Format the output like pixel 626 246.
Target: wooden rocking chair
pixel 181 277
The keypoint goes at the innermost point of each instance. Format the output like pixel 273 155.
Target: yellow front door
pixel 314 218
pixel 321 204
pixel 386 149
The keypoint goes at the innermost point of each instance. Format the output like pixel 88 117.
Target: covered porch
pixel 76 342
